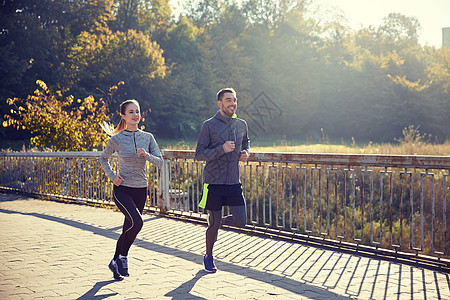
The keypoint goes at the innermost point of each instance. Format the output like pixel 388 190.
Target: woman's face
pixel 132 114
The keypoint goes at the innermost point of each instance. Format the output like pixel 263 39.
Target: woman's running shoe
pixel 114 268
pixel 122 264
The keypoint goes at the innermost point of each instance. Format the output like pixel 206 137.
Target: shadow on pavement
pixel 183 291
pixel 8 196
pixel 91 294
pixel 268 278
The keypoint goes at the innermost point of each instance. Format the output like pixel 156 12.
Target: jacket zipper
pixel 231 153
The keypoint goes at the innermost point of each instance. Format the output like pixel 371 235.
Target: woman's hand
pixel 141 152
pixel 118 180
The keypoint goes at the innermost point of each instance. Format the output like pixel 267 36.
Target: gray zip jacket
pixel 221 167
pixel 131 167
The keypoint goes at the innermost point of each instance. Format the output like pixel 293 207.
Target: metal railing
pixel 75 176
pixel 386 204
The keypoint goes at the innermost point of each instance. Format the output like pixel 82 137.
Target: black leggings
pixel 131 202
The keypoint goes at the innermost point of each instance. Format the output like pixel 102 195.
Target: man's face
pixel 228 104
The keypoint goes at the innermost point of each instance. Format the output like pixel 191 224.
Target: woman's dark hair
pixel 122 125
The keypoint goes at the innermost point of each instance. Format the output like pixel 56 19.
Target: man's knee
pixel 240 222
pixel 239 216
pixel 214 219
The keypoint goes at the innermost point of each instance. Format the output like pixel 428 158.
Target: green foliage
pixel 149 16
pixel 59 122
pixel 367 84
pixel 134 55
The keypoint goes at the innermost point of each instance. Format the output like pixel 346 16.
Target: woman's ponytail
pixel 109 128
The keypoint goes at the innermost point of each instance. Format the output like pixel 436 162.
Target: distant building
pixel 446 37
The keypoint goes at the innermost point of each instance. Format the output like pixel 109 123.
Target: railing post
pixel 164 186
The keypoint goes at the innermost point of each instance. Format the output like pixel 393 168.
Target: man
pixel 222 143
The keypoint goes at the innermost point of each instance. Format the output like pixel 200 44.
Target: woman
pixel 134 147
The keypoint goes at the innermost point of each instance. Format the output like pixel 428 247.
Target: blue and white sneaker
pixel 113 267
pixel 208 263
pixel 122 265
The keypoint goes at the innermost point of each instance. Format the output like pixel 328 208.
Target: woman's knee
pixel 139 223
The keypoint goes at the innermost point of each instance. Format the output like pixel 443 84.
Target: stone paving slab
pixel 54 250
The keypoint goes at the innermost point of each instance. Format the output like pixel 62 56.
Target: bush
pixel 59 122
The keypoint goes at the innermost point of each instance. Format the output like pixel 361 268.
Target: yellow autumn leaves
pixel 57 122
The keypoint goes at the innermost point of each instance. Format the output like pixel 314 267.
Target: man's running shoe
pixel 208 263
pixel 122 264
pixel 113 267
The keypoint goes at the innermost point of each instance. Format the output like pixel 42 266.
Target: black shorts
pixel 224 195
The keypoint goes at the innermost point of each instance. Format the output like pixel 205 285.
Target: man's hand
pixel 228 146
pixel 244 156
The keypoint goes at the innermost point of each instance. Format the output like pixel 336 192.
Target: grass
pixel 404 148
pixel 401 148
pixel 176 144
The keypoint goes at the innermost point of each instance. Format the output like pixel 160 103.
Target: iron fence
pixel 389 204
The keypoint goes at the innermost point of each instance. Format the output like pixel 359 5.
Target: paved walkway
pixel 53 250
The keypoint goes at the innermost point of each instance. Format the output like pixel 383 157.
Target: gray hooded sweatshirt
pixel 221 167
pixel 131 167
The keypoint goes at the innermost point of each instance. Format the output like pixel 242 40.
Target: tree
pixel 186 96
pixel 37 34
pixel 104 59
pixel 286 65
pixel 151 17
pixel 35 37
pixel 59 122
pixel 367 84
pixel 435 100
pixel 398 31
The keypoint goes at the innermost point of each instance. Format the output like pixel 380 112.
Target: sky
pixel 433 15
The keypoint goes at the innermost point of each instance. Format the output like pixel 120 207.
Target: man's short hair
pixel 223 91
